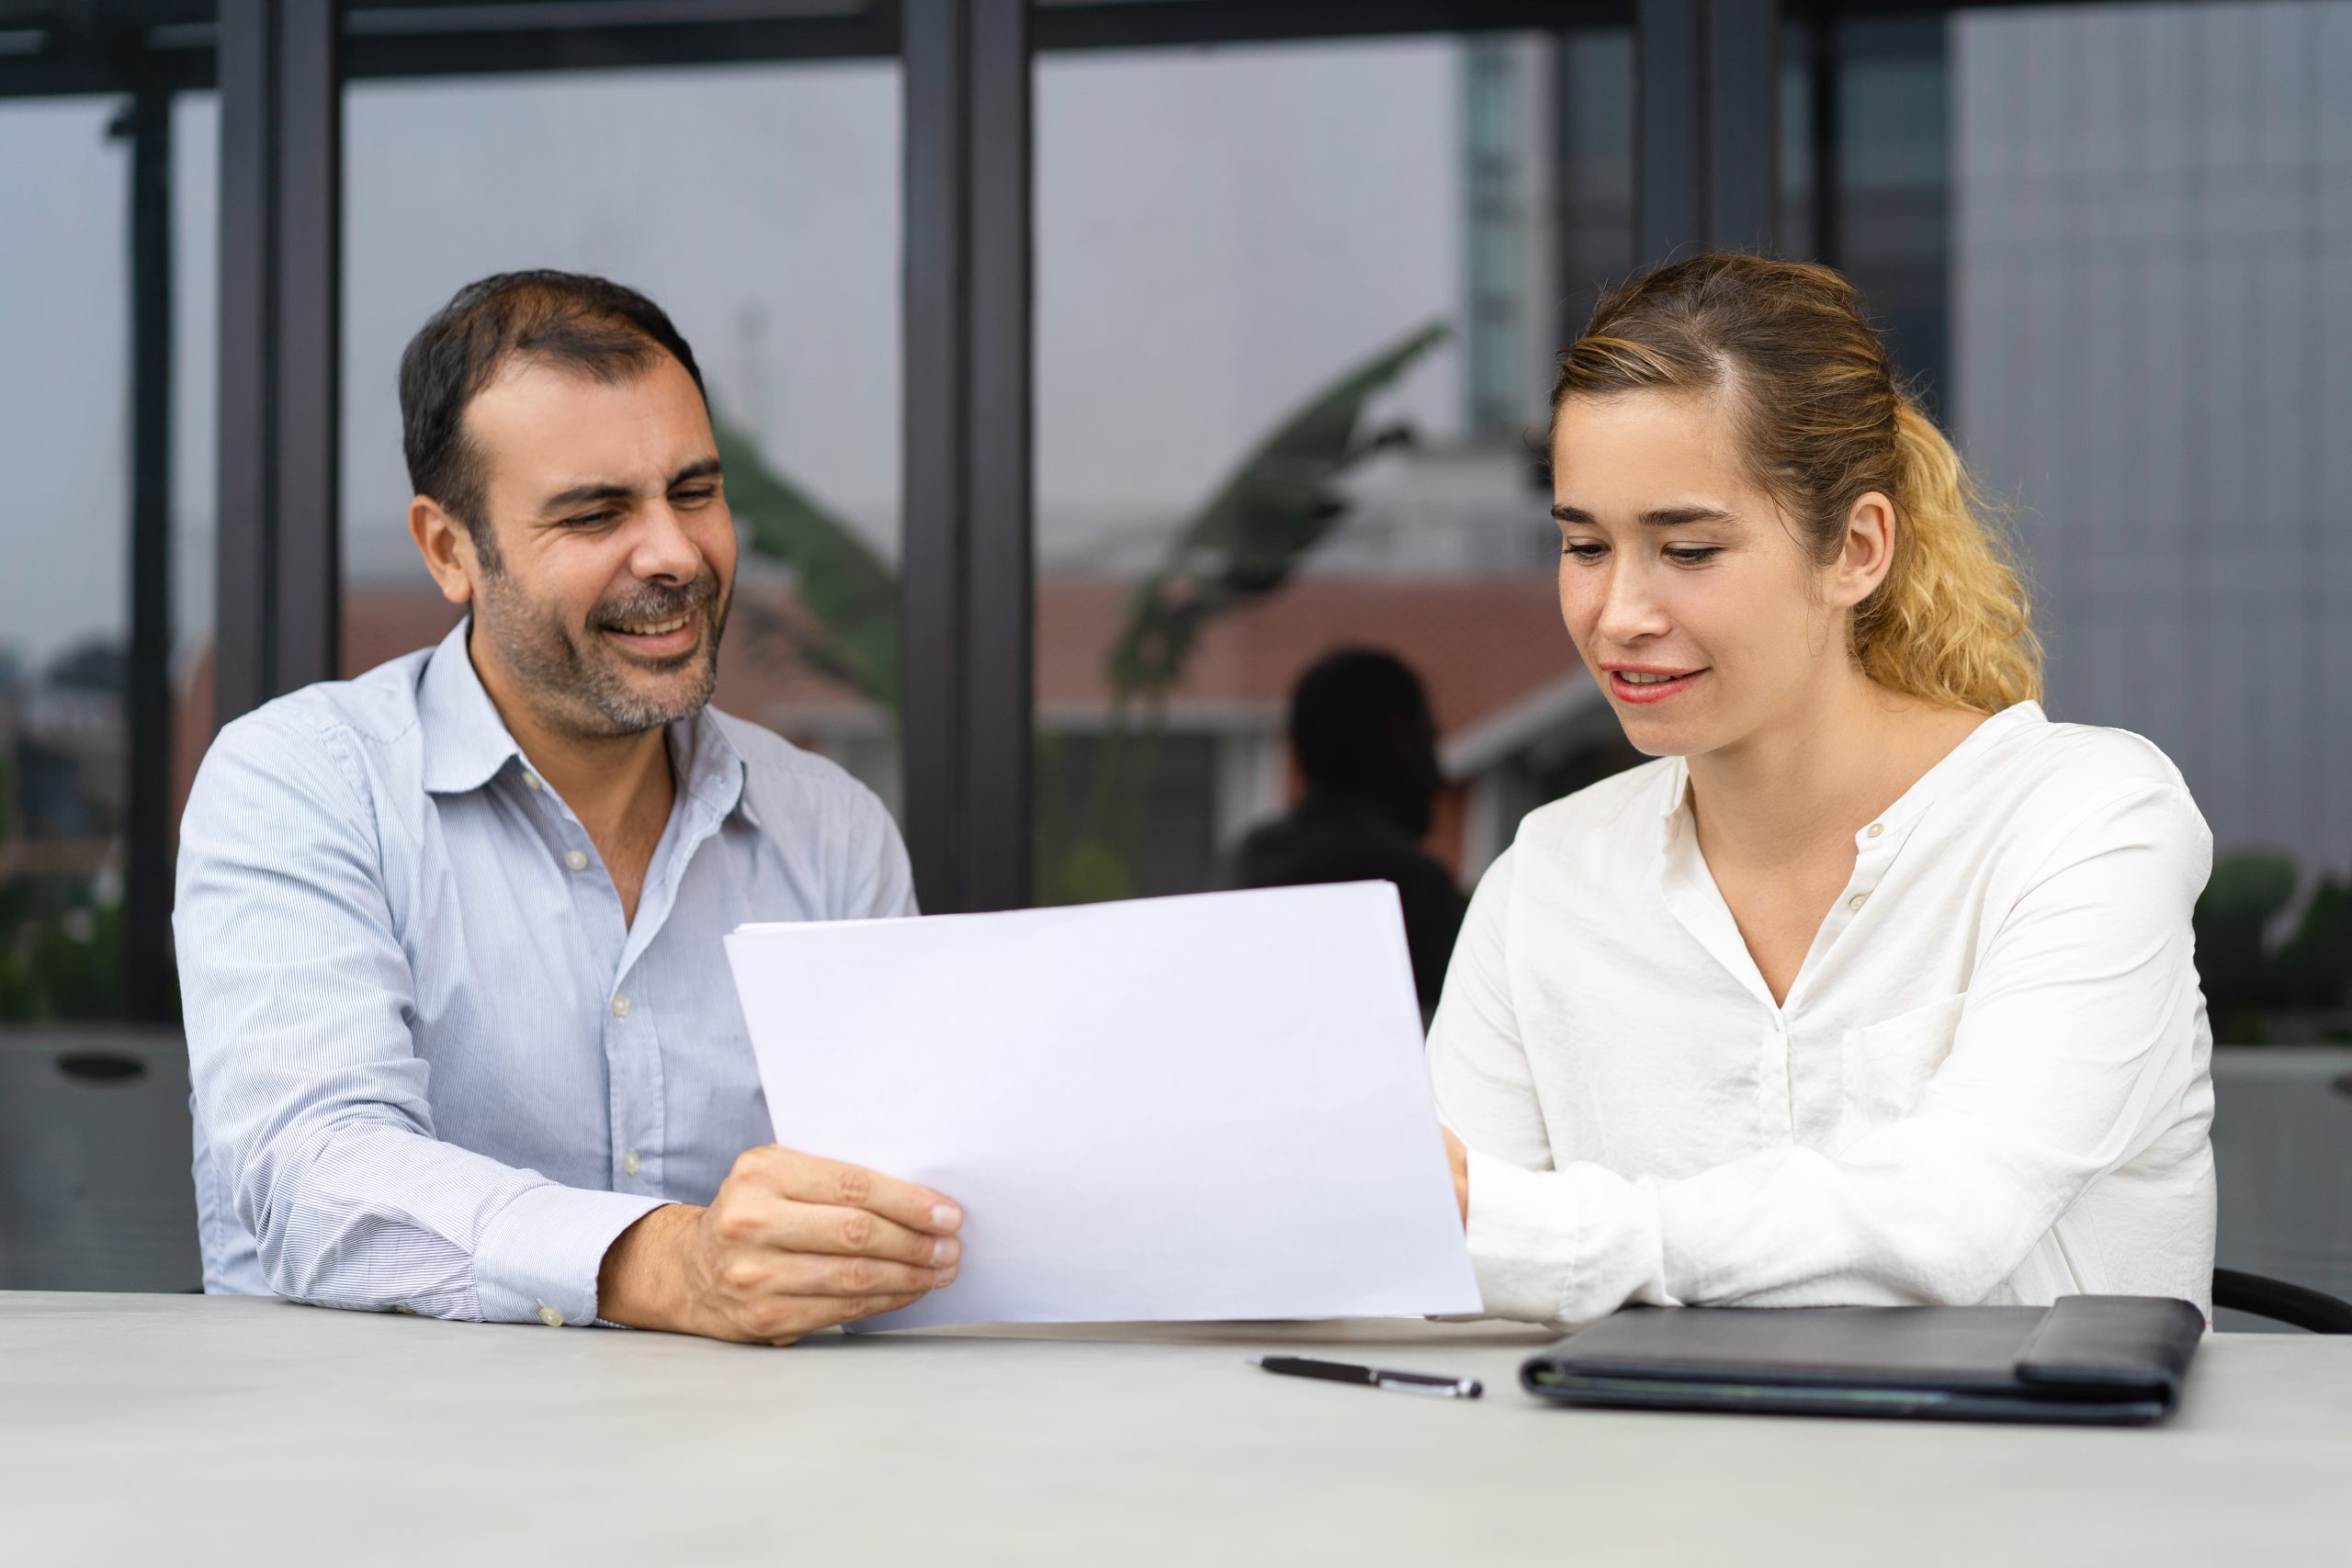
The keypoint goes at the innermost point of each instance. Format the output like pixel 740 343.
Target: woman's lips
pixel 1649 691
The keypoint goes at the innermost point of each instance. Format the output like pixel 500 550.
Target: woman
pixel 1877 986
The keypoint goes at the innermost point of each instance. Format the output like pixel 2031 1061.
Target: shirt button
pixel 532 780
pixel 552 1317
pixel 620 1007
pixel 629 1163
pixel 576 860
pixel 1856 901
pixel 1876 829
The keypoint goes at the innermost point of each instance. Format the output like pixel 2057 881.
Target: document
pixel 1209 1107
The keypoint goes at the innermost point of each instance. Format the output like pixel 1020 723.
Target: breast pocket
pixel 1888 1063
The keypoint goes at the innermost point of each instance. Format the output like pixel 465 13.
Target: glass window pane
pixel 2152 231
pixel 758 205
pixel 1876 89
pixel 64 440
pixel 1297 308
pixel 196 432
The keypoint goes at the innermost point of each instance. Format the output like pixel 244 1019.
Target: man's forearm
pixel 641 1284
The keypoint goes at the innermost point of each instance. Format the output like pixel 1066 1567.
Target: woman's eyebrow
pixel 1659 517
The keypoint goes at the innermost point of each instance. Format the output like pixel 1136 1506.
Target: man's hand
pixel 1457 1158
pixel 792 1243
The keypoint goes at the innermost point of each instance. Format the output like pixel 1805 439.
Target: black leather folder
pixel 2107 1361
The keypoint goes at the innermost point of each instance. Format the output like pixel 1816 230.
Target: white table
pixel 183 1430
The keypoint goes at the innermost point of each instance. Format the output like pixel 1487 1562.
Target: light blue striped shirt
pixel 433 1067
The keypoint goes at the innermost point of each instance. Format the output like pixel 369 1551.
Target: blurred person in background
pixel 1366 746
pixel 1877 987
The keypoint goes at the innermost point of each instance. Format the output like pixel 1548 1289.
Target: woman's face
pixel 1681 581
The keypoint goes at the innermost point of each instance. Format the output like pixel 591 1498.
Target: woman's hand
pixel 1458 1158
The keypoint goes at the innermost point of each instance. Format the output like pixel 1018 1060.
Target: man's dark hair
pixel 1357 718
pixel 590 325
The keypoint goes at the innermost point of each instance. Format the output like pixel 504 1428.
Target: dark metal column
pixel 1707 144
pixel 1743 124
pixel 1669 126
pixel 964 612
pixel 309 341
pixel 281 141
pixel 147 883
pixel 1825 96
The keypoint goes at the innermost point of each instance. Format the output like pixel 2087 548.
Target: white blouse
pixel 1989 1082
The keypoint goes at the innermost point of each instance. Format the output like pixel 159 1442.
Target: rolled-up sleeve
pixel 299 1001
pixel 1538 1237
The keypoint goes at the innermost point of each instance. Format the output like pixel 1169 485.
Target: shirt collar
pixel 1896 822
pixel 1674 785
pixel 1673 800
pixel 710 767
pixel 466 744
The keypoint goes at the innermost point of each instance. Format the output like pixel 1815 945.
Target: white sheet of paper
pixel 1207 1107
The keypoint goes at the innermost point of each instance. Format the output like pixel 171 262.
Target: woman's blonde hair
pixel 1821 424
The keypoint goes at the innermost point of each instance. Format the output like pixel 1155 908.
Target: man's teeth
pixel 655 629
pixel 1631 679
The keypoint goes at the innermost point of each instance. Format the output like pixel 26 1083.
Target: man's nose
pixel 663 548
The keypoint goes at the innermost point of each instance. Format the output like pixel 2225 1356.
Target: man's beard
pixel 580 684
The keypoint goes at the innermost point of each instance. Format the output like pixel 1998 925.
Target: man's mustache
pixel 655 603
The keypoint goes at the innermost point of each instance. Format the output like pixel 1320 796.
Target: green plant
pixel 849 594
pixel 2250 973
pixel 1245 542
pixel 1256 528
pixel 60 954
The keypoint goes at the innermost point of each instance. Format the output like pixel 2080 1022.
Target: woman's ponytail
pixel 1951 624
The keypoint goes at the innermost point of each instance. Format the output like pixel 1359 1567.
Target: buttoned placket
pixel 1873 852
pixel 1698 903
pixel 631 1046
pixel 1815 1083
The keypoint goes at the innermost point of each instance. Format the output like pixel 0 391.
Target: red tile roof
pixel 1479 643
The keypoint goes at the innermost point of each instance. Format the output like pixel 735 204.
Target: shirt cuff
pixel 538 1257
pixel 1522 1239
pixel 1564 1247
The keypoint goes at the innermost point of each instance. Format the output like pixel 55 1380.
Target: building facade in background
pixel 2108 243
pixel 2151 289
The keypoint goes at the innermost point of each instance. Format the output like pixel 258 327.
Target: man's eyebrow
pixel 580 495
pixel 1662 517
pixel 605 489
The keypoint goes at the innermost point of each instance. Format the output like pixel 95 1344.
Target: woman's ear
pixel 1868 552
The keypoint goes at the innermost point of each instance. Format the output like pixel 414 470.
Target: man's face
pixel 602 602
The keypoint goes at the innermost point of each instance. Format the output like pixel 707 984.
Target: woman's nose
pixel 1629 610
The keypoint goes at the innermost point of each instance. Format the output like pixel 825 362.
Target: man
pixel 459 1019
pixel 1365 744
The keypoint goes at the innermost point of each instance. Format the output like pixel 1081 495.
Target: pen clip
pixel 1441 1388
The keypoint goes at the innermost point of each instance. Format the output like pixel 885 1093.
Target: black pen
pixel 1376 1377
